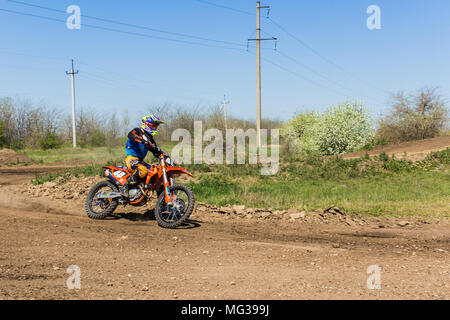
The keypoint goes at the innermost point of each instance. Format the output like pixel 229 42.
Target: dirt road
pixel 214 257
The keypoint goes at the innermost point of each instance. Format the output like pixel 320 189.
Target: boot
pixel 124 190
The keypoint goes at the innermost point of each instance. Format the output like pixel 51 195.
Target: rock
pixel 144 288
pixel 403 223
pixel 297 215
pixel 239 209
pixel 334 210
pixel 232 283
pixel 292 210
pixel 49 184
pixel 265 214
pixel 225 210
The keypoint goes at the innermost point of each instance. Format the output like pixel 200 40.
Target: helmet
pixel 150 124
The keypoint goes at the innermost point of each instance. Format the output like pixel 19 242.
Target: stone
pixel 239 209
pixel 403 223
pixel 297 215
pixel 49 184
pixel 265 214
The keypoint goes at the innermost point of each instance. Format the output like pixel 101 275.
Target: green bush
pixel 442 156
pixel 342 128
pixel 374 143
pixel 96 138
pixel 17 145
pixel 50 141
pixel 298 134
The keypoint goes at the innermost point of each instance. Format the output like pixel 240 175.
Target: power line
pixel 225 7
pixel 320 74
pixel 31 55
pixel 301 42
pixel 323 57
pixel 131 25
pixel 300 76
pixel 120 31
pixel 88 65
pixel 161 38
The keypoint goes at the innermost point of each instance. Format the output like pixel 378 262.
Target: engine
pixel 134 193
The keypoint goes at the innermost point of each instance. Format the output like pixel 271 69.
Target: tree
pixel 342 128
pixel 414 117
pixel 2 136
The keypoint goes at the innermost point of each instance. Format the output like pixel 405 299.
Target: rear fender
pixel 118 175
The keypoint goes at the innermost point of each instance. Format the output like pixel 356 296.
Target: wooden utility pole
pixel 74 130
pixel 225 111
pixel 258 70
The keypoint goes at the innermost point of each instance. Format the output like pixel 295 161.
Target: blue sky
pixel 121 71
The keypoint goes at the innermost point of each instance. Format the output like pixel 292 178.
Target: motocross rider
pixel 140 141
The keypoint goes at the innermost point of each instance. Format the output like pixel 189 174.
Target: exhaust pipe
pixel 108 195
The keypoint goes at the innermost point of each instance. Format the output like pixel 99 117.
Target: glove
pixel 169 160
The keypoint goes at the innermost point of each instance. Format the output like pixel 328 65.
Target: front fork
pixel 170 199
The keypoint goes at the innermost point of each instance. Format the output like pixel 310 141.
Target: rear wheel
pixel 100 208
pixel 173 215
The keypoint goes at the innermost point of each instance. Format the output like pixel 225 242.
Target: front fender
pixel 177 170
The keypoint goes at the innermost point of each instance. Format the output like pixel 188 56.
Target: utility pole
pixel 74 130
pixel 258 70
pixel 225 110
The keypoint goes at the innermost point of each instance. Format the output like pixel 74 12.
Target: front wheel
pixel 100 208
pixel 173 215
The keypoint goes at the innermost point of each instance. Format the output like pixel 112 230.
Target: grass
pixel 68 154
pixel 377 186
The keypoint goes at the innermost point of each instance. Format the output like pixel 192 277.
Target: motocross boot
pixel 124 190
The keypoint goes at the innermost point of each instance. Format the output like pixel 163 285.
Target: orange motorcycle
pixel 175 202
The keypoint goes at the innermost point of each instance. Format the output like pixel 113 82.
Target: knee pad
pixel 142 170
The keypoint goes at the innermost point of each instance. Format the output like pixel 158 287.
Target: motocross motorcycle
pixel 175 202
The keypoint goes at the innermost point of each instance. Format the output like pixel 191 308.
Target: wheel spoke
pixel 171 216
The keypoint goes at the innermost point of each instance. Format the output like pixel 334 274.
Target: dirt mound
pixel 415 150
pixel 65 187
pixel 8 156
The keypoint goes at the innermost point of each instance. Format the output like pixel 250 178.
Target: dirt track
pixel 214 257
pixel 412 150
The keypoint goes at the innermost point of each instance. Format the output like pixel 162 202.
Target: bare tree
pixel 416 116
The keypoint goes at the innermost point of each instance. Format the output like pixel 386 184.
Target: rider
pixel 140 141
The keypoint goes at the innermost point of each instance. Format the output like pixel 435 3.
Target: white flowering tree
pixel 342 128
